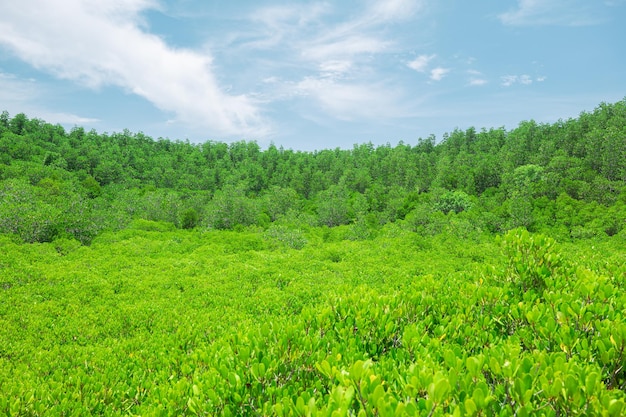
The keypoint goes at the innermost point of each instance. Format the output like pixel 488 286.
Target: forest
pixel 480 274
pixel 566 178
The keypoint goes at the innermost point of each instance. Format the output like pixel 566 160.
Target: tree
pixel 231 207
pixel 277 201
pixel 455 201
pixel 333 207
pixel 524 183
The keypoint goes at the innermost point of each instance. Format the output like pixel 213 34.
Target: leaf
pixel 440 392
pixel 470 406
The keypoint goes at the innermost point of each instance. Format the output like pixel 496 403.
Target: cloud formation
pixel 436 74
pixel 334 64
pixel 524 79
pixel 477 81
pixel 394 9
pixel 420 63
pixel 346 101
pixel 104 43
pixel 476 78
pixel 20 96
pixel 552 12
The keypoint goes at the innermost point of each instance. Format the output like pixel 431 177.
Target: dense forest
pixel 567 177
pixel 480 275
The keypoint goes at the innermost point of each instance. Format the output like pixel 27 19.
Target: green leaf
pixel 470 406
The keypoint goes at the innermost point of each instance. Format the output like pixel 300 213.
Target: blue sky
pixel 309 74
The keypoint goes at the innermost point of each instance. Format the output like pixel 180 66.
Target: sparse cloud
pixel 437 74
pixel 335 68
pixel 477 81
pixel 508 80
pixel 66 118
pixel 420 63
pixel 395 9
pixel 24 95
pixel 324 49
pixel 524 79
pixel 274 26
pixel 476 78
pixel 107 46
pixel 350 101
pixel 553 12
pixel 332 63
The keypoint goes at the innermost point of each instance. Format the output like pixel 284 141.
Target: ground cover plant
pixel 232 323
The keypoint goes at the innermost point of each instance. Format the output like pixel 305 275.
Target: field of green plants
pixel 482 274
pixel 153 320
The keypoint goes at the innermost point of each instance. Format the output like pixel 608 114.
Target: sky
pixel 309 75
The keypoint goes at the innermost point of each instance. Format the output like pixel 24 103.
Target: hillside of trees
pixel 568 177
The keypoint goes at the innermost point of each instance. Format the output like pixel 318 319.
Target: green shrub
pixel 285 237
pixel 532 259
pixel 456 201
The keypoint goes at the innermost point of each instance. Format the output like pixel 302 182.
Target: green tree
pixel 231 207
pixel 453 201
pixel 333 206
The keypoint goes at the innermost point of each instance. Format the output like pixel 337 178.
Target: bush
pixel 190 218
pixel 286 237
pixel 456 201
pixel 151 226
pixel 532 259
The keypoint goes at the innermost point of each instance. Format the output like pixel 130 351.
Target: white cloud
pixel 273 26
pixel 477 81
pixel 15 90
pixel 395 9
pixel 66 118
pixel 333 64
pixel 508 80
pixel 420 63
pixel 436 74
pixel 552 12
pixel 335 68
pixel 524 79
pixel 476 78
pixel 300 30
pixel 23 96
pixel 103 43
pixel 350 101
pixel 324 49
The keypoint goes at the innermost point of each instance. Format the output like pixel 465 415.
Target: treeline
pixel 566 179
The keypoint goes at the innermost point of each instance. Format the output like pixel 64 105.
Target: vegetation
pixel 482 275
pixel 564 179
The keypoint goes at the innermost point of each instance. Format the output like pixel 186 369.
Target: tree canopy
pixel 55 183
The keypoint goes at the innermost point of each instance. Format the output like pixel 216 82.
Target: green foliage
pixel 453 201
pixel 286 237
pixel 190 218
pixel 92 186
pixel 426 221
pixel 220 323
pixel 150 226
pixel 533 259
pixel 348 282
pixel 333 206
pixel 231 207
pixel 238 185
